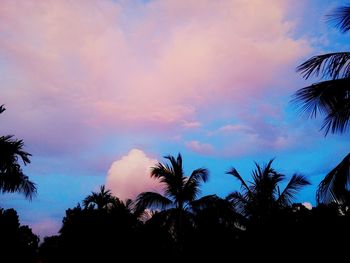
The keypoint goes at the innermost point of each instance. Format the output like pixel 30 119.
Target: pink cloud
pixel 74 69
pixel 198 147
pixel 262 130
pixel 130 175
pixel 231 129
pixel 191 124
pixel 259 136
pixel 45 227
pixel 308 205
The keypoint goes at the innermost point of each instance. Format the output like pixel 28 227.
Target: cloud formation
pixel 308 205
pixel 130 175
pixel 45 227
pixel 198 147
pixel 74 70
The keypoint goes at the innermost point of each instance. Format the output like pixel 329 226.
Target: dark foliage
pixel 261 218
pixel 103 234
pixel 261 198
pixel 12 178
pixel 17 243
pixel 330 97
pixel 179 199
pixel 336 184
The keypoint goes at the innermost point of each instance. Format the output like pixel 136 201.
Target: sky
pixel 100 91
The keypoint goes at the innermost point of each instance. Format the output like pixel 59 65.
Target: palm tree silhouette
pixel 335 186
pixel 101 200
pixel 180 192
pixel 330 97
pixel 260 198
pixel 116 203
pixel 105 202
pixel 12 178
pixel 105 225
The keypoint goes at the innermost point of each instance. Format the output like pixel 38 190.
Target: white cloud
pixel 130 175
pixel 307 205
pixel 198 147
pixel 234 128
pixel 191 124
pixel 45 227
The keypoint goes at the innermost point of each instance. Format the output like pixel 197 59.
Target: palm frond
pixel 89 201
pixel 191 188
pixel 262 197
pixel 176 164
pixel 13 180
pixel 2 108
pixel 337 120
pixel 340 17
pixel 215 209
pixel 239 202
pixel 329 98
pixel 235 173
pixel 271 174
pixel 204 202
pixel 265 179
pixel 170 176
pixel 129 204
pixel 178 179
pixel 19 144
pixel 294 185
pixel 268 169
pixel 101 199
pixel 27 187
pixel 335 186
pixel 11 149
pixel 333 65
pixel 115 202
pixel 178 189
pixel 199 175
pixel 152 200
pixel 162 172
pixel 179 160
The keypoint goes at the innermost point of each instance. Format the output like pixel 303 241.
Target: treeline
pixel 260 220
pixel 17 242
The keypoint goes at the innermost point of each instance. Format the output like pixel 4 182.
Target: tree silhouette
pixel 180 193
pixel 17 243
pixel 101 200
pixel 104 229
pixel 12 178
pixel 335 186
pixel 217 229
pixel 50 250
pixel 260 198
pixel 331 96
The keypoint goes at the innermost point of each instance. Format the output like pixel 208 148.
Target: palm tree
pixel 180 192
pixel 260 198
pixel 335 186
pixel 12 178
pixel 101 200
pixel 331 96
pixel 126 207
pixel 116 203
